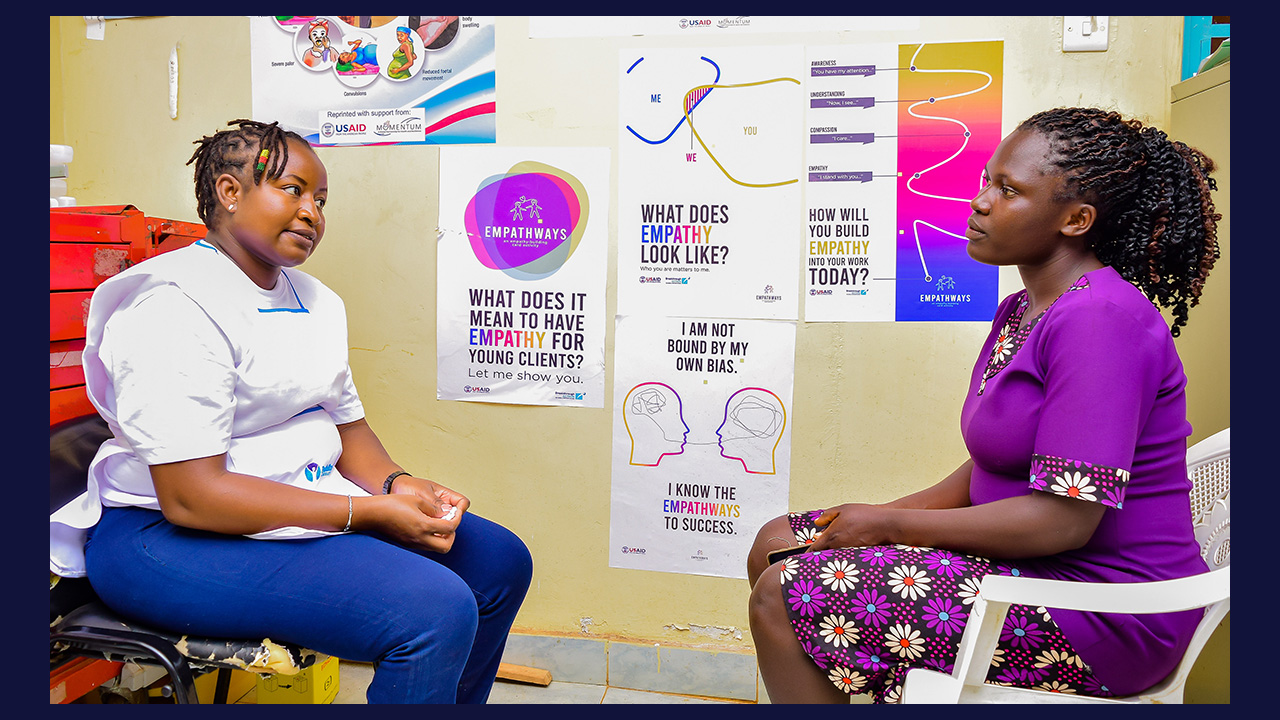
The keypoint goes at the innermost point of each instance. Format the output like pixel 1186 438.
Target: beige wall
pixel 1201 117
pixel 876 404
pixel 55 81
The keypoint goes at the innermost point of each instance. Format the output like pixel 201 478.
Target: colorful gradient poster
pixel 701 440
pixel 898 136
pixel 947 132
pixel 520 274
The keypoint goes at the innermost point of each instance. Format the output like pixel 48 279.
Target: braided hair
pixel 237 152
pixel 1156 222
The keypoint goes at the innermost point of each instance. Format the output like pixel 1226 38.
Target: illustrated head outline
pixel 654 418
pixel 754 419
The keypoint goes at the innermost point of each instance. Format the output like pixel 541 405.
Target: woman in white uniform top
pixel 244 493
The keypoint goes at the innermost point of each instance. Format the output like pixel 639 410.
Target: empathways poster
pixel 898 136
pixel 521 271
pixel 710 160
pixel 701 440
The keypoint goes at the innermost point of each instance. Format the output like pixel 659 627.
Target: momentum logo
pixel 412 126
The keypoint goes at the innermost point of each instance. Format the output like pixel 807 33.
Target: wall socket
pixel 1084 33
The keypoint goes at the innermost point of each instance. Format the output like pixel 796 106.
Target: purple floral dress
pixel 867 615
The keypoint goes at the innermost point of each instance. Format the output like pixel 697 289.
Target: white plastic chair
pixel 1209 465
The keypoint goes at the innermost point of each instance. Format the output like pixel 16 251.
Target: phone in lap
pixel 784 553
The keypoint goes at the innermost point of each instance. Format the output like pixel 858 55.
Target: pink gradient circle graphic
pixel 528 222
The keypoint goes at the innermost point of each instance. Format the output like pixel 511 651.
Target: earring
pixel 231 207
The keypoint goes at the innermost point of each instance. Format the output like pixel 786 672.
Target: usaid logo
pixel 330 130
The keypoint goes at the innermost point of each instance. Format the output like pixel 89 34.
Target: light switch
pixel 1084 33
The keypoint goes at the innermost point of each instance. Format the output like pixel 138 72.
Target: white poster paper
pixel 521 273
pixel 710 161
pixel 851 188
pixel 701 26
pixel 701 440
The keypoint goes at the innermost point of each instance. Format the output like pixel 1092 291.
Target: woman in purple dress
pixel 1076 427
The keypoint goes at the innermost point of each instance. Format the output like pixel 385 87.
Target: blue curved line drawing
pixel 681 122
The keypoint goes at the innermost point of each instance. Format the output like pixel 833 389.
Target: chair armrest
pixel 1162 596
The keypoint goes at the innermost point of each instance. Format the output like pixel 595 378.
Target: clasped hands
pixel 417 512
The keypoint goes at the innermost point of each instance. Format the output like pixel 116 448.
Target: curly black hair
pixel 236 152
pixel 1156 222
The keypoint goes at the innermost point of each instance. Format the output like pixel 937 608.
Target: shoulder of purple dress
pixel 1108 308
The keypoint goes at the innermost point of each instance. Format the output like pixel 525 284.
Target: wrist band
pixel 350 507
pixel 386 484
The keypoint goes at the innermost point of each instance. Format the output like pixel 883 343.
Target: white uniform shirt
pixel 185 357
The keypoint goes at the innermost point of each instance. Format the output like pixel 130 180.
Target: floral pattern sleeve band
pixel 1079 479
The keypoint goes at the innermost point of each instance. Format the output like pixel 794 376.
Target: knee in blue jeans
pixel 519 567
pixel 443 613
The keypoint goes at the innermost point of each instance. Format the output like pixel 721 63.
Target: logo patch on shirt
pixel 315 472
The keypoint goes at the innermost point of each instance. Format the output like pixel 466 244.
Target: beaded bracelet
pixel 386 484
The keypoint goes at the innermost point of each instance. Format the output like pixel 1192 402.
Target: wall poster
pixel 709 170
pixel 520 272
pixel 376 79
pixel 897 139
pixel 701 440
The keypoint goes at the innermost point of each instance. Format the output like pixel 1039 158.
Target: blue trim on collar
pixel 300 309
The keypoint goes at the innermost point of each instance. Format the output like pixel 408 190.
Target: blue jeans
pixel 434 625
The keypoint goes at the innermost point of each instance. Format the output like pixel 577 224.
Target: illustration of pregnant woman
pixel 403 58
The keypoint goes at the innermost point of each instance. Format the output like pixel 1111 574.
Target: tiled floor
pixel 353 678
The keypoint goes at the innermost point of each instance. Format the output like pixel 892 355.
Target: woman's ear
pixel 228 190
pixel 1081 220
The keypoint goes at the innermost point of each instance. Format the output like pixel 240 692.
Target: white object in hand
pixel 451 514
